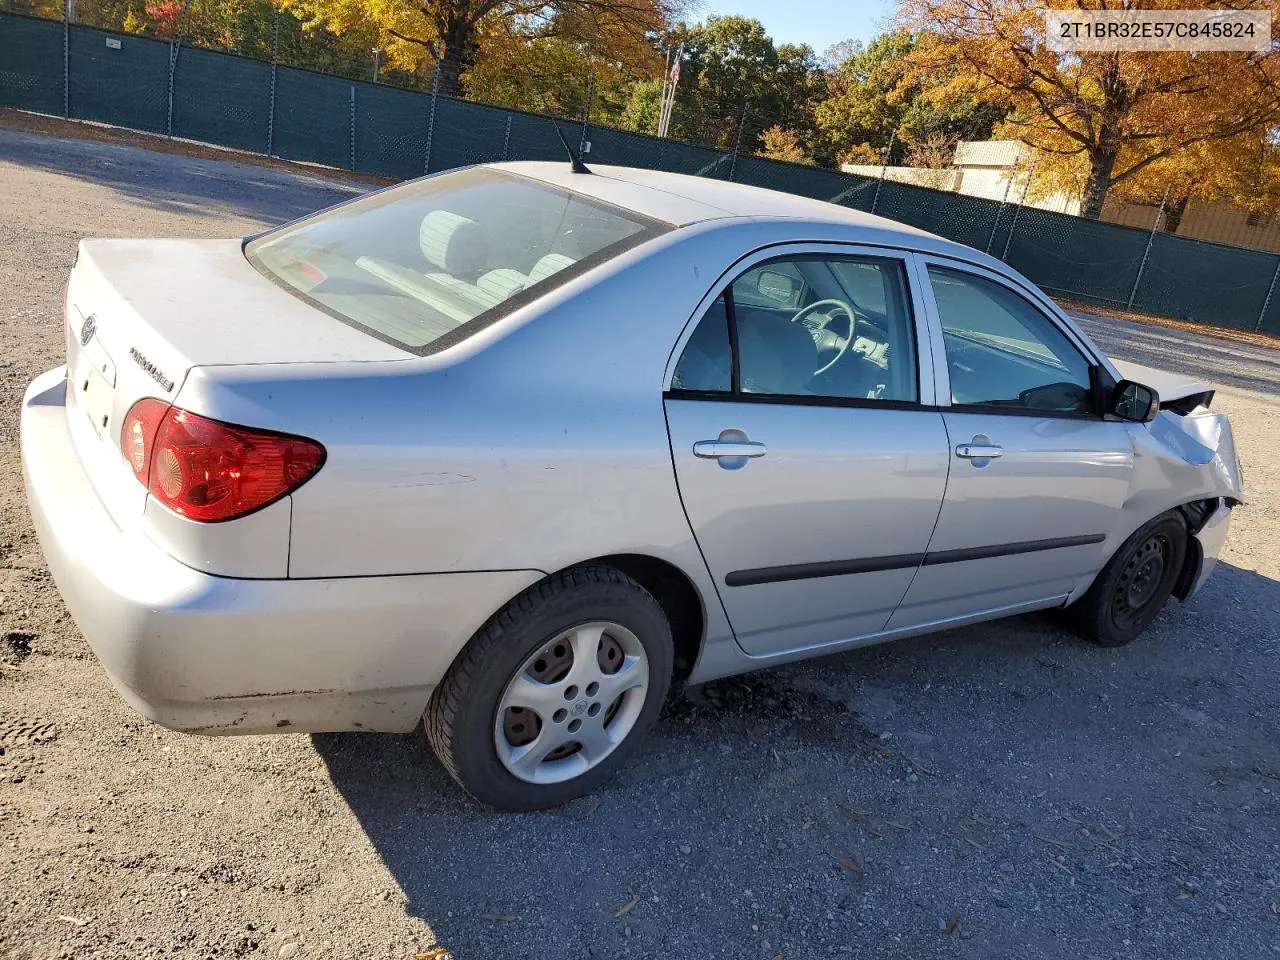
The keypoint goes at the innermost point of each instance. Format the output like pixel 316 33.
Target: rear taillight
pixel 208 470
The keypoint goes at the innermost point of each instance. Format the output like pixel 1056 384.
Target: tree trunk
pixel 1102 161
pixel 458 42
pixel 1173 212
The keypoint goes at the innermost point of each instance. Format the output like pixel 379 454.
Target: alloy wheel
pixel 571 703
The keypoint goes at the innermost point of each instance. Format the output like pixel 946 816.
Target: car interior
pixel 809 327
pixel 416 269
pixel 1001 351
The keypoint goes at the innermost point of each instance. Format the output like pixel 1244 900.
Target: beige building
pixel 998 170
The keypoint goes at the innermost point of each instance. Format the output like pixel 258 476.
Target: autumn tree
pixel 548 74
pixel 1243 171
pixel 779 144
pixel 1112 114
pixel 447 33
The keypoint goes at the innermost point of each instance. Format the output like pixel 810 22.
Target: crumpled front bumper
pixel 1211 537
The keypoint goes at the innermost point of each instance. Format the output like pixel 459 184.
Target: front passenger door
pixel 809 463
pixel 1038 476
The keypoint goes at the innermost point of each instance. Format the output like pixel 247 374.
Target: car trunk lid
pixel 140 314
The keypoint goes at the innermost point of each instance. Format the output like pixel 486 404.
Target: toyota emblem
pixel 87 328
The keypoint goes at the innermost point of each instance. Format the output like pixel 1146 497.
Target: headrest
pixel 453 243
pixel 551 263
pixel 498 285
pixel 776 355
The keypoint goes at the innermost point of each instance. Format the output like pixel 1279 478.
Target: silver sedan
pixel 516 449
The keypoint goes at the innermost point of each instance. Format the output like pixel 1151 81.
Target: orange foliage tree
pixel 1102 118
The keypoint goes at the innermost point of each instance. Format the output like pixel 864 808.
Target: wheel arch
pixel 675 592
pixel 1196 513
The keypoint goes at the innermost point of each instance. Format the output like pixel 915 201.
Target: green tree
pixel 876 96
pixel 642 106
pixel 731 62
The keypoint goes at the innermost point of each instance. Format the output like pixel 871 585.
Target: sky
pixel 819 23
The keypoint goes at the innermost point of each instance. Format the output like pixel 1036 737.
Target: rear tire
pixel 550 698
pixel 1134 585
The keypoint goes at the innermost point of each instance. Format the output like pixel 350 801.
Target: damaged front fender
pixel 1190 462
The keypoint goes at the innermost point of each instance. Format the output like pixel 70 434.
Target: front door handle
pixel 979 451
pixel 715 449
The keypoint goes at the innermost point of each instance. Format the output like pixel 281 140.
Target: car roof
pixel 681 200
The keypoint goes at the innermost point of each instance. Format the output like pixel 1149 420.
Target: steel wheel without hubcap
pixel 571 703
pixel 1140 580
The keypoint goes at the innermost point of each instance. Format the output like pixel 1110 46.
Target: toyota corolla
pixel 512 450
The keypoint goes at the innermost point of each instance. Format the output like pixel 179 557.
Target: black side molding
pixel 1010 549
pixel 840 568
pixel 825 568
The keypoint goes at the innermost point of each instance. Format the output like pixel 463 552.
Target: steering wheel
pixel 819 329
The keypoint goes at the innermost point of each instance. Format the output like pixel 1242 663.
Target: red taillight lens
pixel 208 470
pixel 137 436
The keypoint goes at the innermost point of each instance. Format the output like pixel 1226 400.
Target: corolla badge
pixel 151 369
pixel 87 328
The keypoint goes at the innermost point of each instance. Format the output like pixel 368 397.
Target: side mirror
pixel 775 286
pixel 1133 401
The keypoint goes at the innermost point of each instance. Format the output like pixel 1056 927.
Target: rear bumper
pixel 215 654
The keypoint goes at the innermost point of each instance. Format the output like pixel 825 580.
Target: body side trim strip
pixel 824 568
pixel 839 568
pixel 1010 549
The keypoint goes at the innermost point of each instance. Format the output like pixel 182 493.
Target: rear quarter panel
pixel 538 443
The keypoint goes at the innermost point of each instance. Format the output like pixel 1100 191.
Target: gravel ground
pixel 999 791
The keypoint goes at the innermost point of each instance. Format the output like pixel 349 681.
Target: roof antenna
pixel 575 162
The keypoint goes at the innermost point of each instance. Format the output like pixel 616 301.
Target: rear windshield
pixel 426 264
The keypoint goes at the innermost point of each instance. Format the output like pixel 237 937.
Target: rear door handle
pixel 979 451
pixel 715 449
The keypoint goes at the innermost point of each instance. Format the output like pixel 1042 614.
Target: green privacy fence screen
pixel 183 91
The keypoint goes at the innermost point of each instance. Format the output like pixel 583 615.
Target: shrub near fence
pixel 165 87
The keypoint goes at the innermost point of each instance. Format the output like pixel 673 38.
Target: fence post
pixel 1022 202
pixel 353 126
pixel 506 139
pixel 271 106
pixel 66 65
pixel 737 143
pixel 1262 314
pixel 1155 224
pixel 174 46
pixel 431 120
pixel 884 169
pixel 1000 211
pixel 586 115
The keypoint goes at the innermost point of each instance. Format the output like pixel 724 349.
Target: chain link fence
pixel 178 90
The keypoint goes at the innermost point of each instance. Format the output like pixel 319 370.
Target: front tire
pixel 553 694
pixel 1134 585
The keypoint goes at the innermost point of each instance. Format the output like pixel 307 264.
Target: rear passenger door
pixel 810 462
pixel 1038 476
